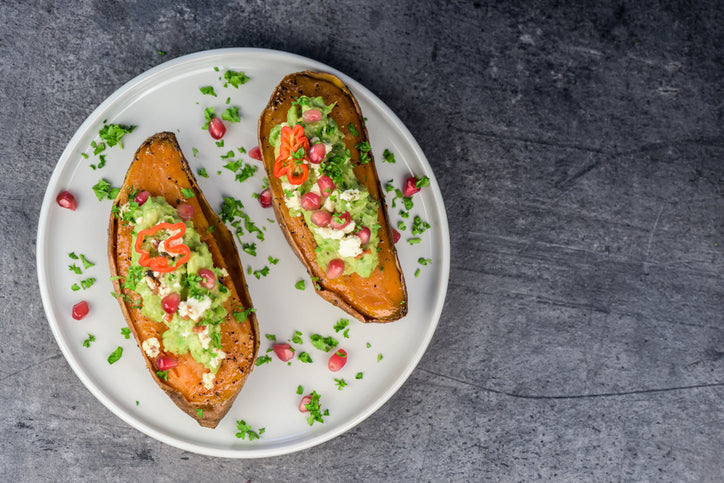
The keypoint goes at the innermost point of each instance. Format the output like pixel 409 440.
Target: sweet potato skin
pixel 160 167
pixel 383 296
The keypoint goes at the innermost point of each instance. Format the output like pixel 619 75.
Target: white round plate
pixel 168 98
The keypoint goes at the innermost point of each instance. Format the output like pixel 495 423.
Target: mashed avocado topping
pixel 188 299
pixel 340 212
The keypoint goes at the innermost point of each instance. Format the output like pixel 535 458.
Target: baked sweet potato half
pixel 180 285
pixel 327 196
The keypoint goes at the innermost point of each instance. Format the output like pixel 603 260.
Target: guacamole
pixel 188 299
pixel 348 201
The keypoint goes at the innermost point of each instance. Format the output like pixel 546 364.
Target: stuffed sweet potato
pixel 327 197
pixel 180 285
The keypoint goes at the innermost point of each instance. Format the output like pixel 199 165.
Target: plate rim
pixel 107 401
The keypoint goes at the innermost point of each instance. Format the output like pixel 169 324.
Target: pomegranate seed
pixel 310 201
pixel 265 199
pixel 317 153
pixel 335 268
pixel 395 236
pixel 409 188
pixel 185 211
pixel 321 218
pixel 217 128
pixel 340 220
pixel 170 303
pixel 312 115
pixel 284 352
pixel 80 310
pixel 303 403
pixel 67 200
pixel 364 234
pixel 208 279
pixel 164 363
pixel 255 153
pixel 326 185
pixel 142 197
pixel 337 360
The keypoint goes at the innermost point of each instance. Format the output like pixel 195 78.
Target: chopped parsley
pixel 220 143
pixel 208 91
pixel 300 285
pixel 341 324
pixel 115 355
pixel 414 241
pixel 304 357
pixel 353 130
pixel 232 212
pixel 315 410
pixel 388 157
pixel 86 263
pixel 417 273
pixel 200 412
pixel 235 78
pixel 262 360
pixel 246 431
pixel 103 190
pixel 113 133
pixel 271 337
pixel 379 357
pixel 261 273
pixel 208 116
pixel 297 337
pixel 202 172
pixel 187 192
pixel 421 182
pixel 419 226
pixel 75 268
pixel 163 375
pixel 273 260
pixel 401 226
pixel 87 342
pixel 300 389
pixel 364 151
pixel 231 114
pixel 323 343
pixel 126 332
pixel 249 248
pixel 424 261
pixel 358 376
pixel 340 384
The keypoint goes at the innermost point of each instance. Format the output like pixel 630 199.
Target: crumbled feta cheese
pixel 329 233
pixel 139 220
pixel 350 246
pixel 329 204
pixel 208 379
pixel 350 195
pixel 194 308
pixel 288 186
pixel 204 338
pixel 152 347
pixel 315 189
pixel 224 272
pixel 295 202
pixel 332 234
pixel 216 361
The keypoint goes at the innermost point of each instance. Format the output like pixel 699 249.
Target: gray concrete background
pixel 581 157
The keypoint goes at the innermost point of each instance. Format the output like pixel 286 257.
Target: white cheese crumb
pixel 350 195
pixel 151 347
pixel 194 308
pixel 329 204
pixel 350 246
pixel 208 379
pixel 204 338
pixel 216 361
pixel 315 189
pixel 294 202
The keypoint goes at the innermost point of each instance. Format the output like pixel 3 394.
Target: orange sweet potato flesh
pixel 383 296
pixel 159 167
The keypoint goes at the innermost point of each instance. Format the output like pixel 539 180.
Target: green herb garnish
pixel 115 355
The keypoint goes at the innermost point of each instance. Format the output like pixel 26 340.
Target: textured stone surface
pixel 581 155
